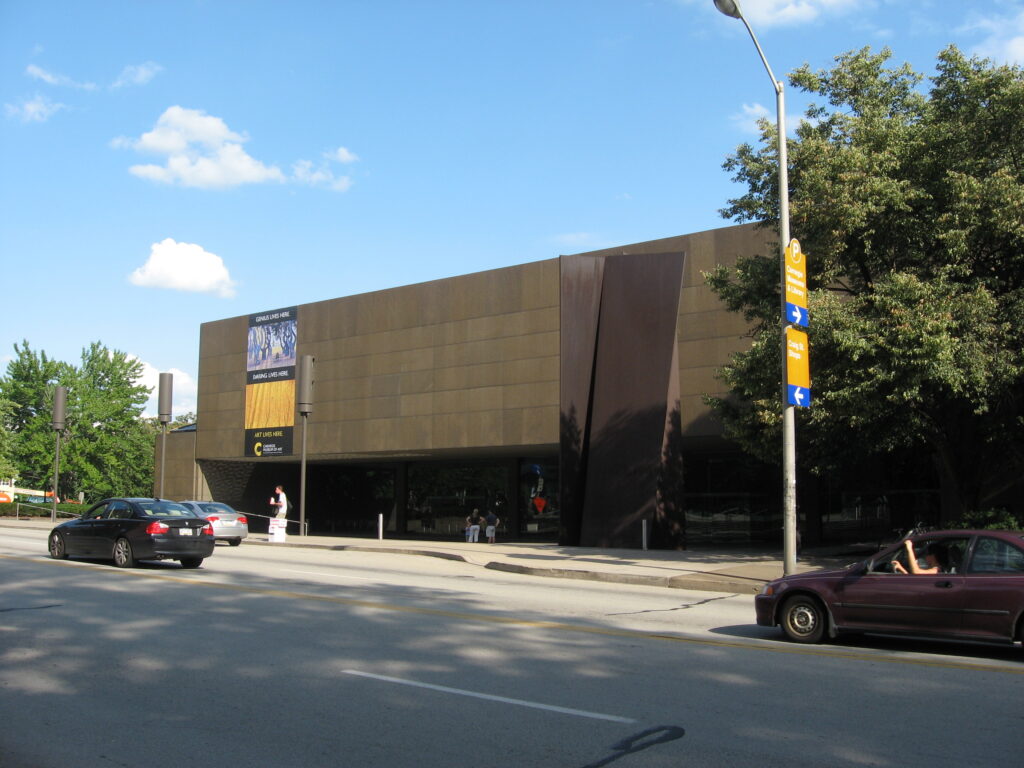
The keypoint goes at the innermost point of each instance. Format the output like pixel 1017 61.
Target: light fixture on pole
pixel 732 8
pixel 166 387
pixel 60 398
pixel 305 403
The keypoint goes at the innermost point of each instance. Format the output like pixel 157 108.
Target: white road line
pixel 489 697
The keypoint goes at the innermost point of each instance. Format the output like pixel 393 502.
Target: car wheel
pixel 234 542
pixel 123 555
pixel 803 619
pixel 58 550
pixel 191 562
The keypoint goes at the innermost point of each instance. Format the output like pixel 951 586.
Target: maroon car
pixel 965 585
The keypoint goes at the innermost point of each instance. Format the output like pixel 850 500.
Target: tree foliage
pixel 8 469
pixel 106 448
pixel 910 204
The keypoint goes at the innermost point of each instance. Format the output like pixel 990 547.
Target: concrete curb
pixel 358 548
pixel 572 573
pixel 700 582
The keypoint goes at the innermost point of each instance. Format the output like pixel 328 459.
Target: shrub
pixel 990 519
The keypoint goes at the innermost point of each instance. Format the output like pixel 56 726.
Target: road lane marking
pixel 491 697
pixel 769 646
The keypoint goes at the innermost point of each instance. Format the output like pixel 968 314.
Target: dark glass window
pixel 441 496
pixel 538 497
pixel 348 500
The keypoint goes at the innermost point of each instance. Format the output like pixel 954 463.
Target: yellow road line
pixel 798 650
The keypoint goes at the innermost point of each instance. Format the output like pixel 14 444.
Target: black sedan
pixel 966 585
pixel 128 530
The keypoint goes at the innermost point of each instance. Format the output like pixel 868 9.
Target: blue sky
pixel 165 164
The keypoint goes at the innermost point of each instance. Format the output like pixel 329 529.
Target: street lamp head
pixel 729 8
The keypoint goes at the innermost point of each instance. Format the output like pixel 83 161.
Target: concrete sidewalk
pixel 718 569
pixel 741 571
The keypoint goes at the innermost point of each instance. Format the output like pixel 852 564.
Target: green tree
pixel 910 204
pixel 106 448
pixel 8 468
pixel 184 420
pixel 109 450
pixel 28 388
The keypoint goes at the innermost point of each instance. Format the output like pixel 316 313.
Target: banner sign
pixel 270 383
pixel 796 285
pixel 798 369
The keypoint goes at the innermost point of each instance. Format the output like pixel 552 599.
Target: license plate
pixel 184 531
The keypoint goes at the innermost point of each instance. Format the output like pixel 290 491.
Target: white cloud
pixel 184 267
pixel 304 172
pixel 49 78
pixel 747 120
pixel 36 110
pixel 137 74
pixel 201 152
pixel 183 390
pixel 342 155
pixel 1004 41
pixel 780 13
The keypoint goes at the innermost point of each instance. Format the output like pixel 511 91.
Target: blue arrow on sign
pixel 799 396
pixel 797 315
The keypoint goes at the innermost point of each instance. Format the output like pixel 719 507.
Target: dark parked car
pixel 128 530
pixel 228 525
pixel 974 592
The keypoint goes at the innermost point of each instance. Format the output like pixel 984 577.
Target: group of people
pixel 475 520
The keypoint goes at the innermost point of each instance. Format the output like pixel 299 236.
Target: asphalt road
pixel 286 657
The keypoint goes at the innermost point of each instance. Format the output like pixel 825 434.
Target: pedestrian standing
pixel 474 520
pixel 492 521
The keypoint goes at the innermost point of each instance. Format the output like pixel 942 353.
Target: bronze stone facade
pixel 565 394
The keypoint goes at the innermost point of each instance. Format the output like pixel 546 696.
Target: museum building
pixel 565 395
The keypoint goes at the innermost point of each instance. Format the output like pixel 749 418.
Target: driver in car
pixel 936 556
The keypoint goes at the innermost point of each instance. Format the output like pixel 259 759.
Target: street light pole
pixel 732 9
pixel 164 404
pixel 305 403
pixel 60 398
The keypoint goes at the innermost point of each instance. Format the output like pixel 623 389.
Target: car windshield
pixel 165 509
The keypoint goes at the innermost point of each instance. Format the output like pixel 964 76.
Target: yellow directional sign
pixel 798 369
pixel 796 284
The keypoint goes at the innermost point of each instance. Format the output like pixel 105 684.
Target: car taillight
pixel 213 518
pixel 241 520
pixel 208 530
pixel 157 527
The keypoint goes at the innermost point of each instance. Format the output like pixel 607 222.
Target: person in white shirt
pixel 280 500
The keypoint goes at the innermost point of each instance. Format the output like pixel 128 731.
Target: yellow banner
pixel 798 368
